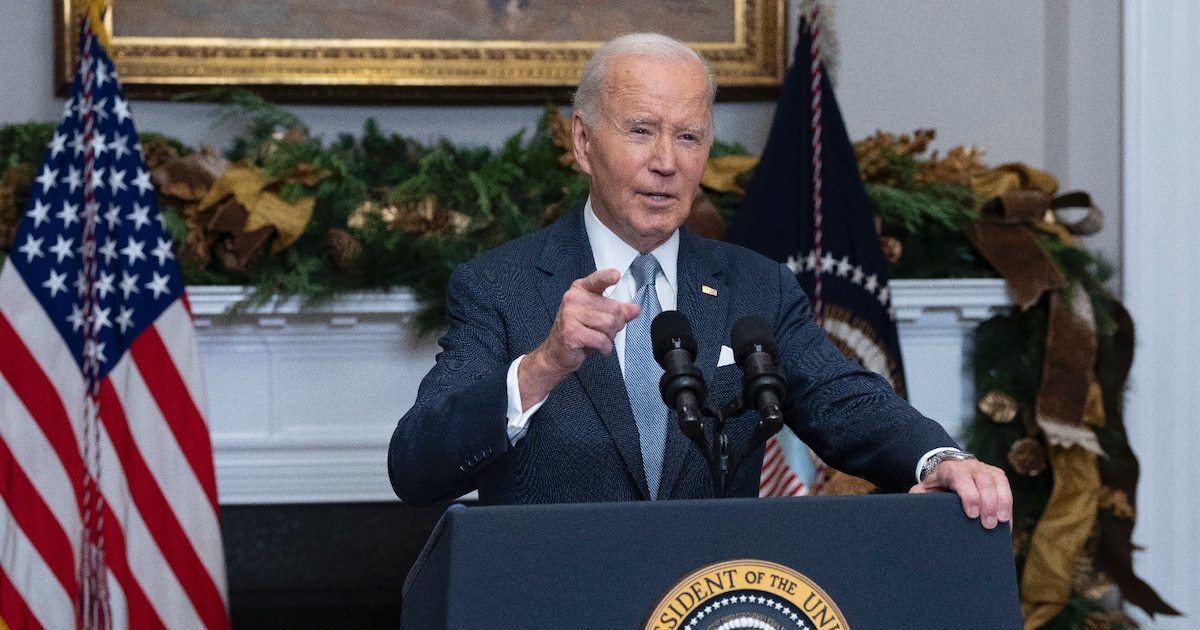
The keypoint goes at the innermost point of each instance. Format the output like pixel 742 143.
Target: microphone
pixel 763 386
pixel 682 385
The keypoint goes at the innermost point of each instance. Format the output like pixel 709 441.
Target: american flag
pixel 109 510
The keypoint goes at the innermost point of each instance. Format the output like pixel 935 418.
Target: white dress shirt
pixel 610 252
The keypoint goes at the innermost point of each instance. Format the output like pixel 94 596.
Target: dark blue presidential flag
pixel 806 206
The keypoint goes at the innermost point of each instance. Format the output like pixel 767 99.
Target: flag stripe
pixel 137 608
pixel 35 583
pixel 145 557
pixel 171 394
pixel 37 394
pixel 13 608
pixel 180 486
pixel 36 519
pixel 160 520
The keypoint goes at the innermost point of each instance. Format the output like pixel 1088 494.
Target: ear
pixel 580 137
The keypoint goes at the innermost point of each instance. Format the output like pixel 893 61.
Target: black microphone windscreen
pixel 750 334
pixel 671 330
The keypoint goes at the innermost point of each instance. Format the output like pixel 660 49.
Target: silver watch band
pixel 941 456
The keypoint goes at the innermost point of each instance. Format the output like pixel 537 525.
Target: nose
pixel 662 158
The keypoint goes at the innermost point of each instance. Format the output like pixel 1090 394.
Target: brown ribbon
pixel 1005 238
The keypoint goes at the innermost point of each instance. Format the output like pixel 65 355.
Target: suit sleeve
pixel 457 427
pixel 850 416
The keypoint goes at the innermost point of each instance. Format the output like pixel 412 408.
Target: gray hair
pixel 648 45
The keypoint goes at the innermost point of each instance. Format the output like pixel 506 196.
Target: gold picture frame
pixel 155 62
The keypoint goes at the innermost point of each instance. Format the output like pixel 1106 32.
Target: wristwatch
pixel 941 456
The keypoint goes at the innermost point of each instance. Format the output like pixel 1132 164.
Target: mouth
pixel 659 197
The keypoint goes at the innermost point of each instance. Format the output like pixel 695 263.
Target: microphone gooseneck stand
pixel 683 389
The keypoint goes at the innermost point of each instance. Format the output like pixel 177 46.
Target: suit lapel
pixel 565 259
pixel 702 297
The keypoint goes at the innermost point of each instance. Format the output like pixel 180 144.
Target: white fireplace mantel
pixel 302 402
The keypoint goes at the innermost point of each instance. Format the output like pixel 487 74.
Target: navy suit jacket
pixel 582 445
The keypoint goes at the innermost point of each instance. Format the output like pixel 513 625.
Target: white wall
pixel 1162 289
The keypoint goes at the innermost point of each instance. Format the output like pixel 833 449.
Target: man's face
pixel 648 148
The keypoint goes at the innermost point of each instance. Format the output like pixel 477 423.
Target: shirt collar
pixel 610 252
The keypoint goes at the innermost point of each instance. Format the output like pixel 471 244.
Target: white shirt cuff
pixel 925 458
pixel 518 420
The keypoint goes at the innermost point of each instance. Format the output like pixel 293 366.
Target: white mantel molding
pixel 302 402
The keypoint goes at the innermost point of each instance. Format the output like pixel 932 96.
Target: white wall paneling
pixel 1162 292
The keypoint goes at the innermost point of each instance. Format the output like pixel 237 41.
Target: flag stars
pixel 828 264
pixel 109 250
pixel 125 319
pixel 100 111
pixel 858 276
pixel 794 265
pixel 142 181
pixel 119 146
pixel 77 143
pixel 133 250
pixel 113 216
pixel 843 267
pixel 99 144
pixel 116 181
pixel 81 282
pixel 57 144
pixel 75 319
pixel 94 349
pixel 73 179
pixel 32 248
pixel 163 252
pixel 140 216
pixel 129 284
pixel 68 108
pixel 121 109
pixel 104 285
pixel 69 214
pixel 96 181
pixel 101 76
pixel 55 283
pixel 40 213
pixel 159 285
pixel 62 248
pixel 100 319
pixel 47 177
pixel 872 283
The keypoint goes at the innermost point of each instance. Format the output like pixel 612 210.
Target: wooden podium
pixel 833 563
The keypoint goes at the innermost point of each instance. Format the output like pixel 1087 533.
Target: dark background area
pixel 339 565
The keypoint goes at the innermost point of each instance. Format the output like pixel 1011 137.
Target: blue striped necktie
pixel 642 372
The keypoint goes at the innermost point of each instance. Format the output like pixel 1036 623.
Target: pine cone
pixel 892 248
pixel 158 151
pixel 998 406
pixel 344 249
pixel 8 216
pixel 1028 456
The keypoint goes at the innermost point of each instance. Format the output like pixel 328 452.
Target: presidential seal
pixel 746 595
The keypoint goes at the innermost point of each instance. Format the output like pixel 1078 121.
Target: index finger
pixel 599 280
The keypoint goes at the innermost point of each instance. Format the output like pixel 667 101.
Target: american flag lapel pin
pixel 707 290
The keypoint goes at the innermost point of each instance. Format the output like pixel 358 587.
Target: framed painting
pixel 413 50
